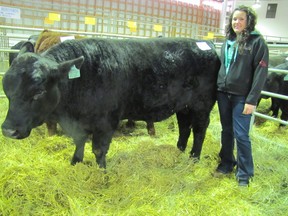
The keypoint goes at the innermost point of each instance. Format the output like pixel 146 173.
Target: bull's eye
pixel 39 95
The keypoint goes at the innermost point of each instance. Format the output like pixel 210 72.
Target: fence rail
pixel 71 32
pixel 278 70
pixel 270 118
pixel 9 50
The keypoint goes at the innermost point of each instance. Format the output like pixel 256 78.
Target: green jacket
pixel 247 72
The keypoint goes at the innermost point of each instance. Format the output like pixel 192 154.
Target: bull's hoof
pixel 181 148
pixel 194 158
pixel 75 160
pixel 101 163
pixel 151 132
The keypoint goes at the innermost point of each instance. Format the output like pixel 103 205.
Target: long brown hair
pixel 242 38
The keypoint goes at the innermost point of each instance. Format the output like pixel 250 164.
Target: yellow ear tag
pixel 74 73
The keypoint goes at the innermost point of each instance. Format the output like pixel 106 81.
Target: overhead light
pixel 257 4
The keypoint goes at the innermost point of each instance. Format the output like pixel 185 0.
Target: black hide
pixel 276 83
pixel 140 79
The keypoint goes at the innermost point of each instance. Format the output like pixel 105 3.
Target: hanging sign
pixel 7 12
pixel 157 28
pixel 90 20
pixel 54 16
pixel 48 21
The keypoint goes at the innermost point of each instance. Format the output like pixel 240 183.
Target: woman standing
pixel 244 67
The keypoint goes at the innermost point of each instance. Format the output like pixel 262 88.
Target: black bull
pixel 146 79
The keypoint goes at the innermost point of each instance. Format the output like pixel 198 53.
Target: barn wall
pixel 145 18
pixel 274 28
pixel 105 18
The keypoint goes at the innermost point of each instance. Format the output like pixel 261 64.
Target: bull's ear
pixel 65 67
pixel 26 47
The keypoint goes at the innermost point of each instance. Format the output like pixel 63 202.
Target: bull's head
pixel 31 86
pixel 272 83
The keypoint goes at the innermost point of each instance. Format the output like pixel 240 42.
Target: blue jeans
pixel 235 126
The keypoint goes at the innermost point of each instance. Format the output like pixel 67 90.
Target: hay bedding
pixel 145 175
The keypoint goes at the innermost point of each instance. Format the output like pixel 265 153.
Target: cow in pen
pixel 278 83
pixel 41 43
pixel 89 85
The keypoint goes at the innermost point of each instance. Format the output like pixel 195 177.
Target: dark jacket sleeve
pixel 260 64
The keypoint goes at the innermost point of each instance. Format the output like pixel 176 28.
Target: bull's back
pixel 148 78
pixel 169 75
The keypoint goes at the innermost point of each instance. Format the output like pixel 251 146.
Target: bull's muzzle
pixel 14 134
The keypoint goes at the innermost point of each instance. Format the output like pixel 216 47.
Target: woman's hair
pixel 244 35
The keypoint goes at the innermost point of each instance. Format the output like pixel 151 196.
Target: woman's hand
pixel 248 109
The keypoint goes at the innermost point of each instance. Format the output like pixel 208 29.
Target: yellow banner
pixel 90 20
pixel 158 28
pixel 54 16
pixel 48 21
pixel 133 29
pixel 210 35
pixel 132 24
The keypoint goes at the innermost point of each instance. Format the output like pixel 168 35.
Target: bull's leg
pixel 184 125
pixel 275 107
pixel 284 109
pixel 150 128
pixel 100 146
pixel 149 125
pixel 79 151
pixel 200 122
pixel 51 127
pixel 283 104
pixel 130 123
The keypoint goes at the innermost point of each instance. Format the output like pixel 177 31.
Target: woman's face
pixel 239 21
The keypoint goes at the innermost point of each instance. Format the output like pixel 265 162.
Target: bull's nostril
pixel 10 133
